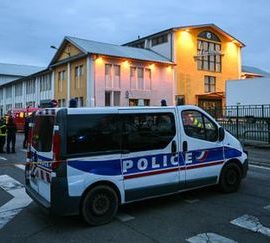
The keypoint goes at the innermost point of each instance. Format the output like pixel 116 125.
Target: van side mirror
pixel 221 134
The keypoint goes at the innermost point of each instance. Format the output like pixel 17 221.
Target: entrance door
pixel 204 155
pixel 212 106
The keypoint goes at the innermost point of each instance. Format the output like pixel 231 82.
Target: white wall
pixel 24 98
pixel 254 91
pixel 164 49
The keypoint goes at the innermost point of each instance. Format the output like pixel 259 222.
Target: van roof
pixel 114 109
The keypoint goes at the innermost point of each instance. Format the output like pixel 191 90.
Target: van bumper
pixel 61 203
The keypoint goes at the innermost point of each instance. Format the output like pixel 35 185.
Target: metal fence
pixel 248 123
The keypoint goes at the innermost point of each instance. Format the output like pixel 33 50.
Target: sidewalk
pixel 258 155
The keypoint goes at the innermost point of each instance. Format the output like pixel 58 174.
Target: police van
pixel 88 161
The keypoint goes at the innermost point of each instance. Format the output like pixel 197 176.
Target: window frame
pixel 205 62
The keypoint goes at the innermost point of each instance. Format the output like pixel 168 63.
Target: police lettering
pixel 150 163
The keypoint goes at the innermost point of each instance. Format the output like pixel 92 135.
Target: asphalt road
pixel 204 215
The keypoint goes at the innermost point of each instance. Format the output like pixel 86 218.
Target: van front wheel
pixel 230 178
pixel 99 205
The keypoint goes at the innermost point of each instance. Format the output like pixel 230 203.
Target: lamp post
pixel 54 47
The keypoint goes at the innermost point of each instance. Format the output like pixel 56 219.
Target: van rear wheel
pixel 99 205
pixel 230 178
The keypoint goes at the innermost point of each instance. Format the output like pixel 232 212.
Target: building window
pixel 9 92
pixel 61 78
pixel 18 89
pixel 133 78
pixel 79 71
pixel 108 75
pixel 209 84
pixel 45 83
pixel 140 78
pixel 147 79
pixel 159 39
pixel 30 86
pixel 112 98
pixel 116 79
pixel 8 107
pixel 18 105
pixel 112 76
pixel 208 52
pixel 61 103
pixel 139 44
pixel 78 75
pixel 79 101
pixel 180 99
pixel 30 104
pixel 139 102
pixel 1 94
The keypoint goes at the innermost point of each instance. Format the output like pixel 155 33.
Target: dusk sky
pixel 30 27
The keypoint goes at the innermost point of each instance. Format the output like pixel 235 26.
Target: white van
pixel 88 161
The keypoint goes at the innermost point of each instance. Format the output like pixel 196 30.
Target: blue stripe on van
pixel 101 167
pixel 231 153
pixel 113 167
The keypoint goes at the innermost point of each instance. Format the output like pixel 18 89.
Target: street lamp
pixel 54 47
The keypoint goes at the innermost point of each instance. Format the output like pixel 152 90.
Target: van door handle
pixel 174 148
pixel 185 146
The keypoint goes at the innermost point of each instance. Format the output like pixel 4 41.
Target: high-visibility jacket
pixel 3 130
pixel 197 123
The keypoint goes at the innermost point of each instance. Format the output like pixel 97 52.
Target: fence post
pixel 237 121
pixel 262 111
pixel 268 122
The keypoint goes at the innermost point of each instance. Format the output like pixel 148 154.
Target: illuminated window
pixel 209 84
pixel 208 52
pixel 140 78
pixel 112 98
pixel 108 75
pixel 116 78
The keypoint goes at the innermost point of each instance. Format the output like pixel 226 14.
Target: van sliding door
pixel 149 153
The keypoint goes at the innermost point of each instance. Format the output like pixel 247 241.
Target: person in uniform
pixel 11 135
pixel 3 134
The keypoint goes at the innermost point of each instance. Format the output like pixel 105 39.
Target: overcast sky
pixel 29 27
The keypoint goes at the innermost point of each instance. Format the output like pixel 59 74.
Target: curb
pixel 258 163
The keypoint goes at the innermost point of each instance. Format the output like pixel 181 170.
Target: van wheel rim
pixel 101 204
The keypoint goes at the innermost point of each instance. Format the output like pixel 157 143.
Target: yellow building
pixel 205 56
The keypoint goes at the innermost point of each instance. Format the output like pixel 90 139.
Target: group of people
pixel 7 134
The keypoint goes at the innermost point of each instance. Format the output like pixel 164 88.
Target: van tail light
pixel 56 150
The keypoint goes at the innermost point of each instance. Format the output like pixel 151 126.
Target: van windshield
pixel 42 133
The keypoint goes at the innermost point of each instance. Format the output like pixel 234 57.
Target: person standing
pixel 11 135
pixel 3 134
pixel 26 131
pixel 163 102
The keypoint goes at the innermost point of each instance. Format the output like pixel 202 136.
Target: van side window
pixel 197 125
pixel 142 132
pixel 93 133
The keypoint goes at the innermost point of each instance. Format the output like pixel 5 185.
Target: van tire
pixel 230 178
pixel 100 205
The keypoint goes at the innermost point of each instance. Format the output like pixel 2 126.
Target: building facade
pixel 17 88
pixel 34 90
pixel 205 56
pixel 100 74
